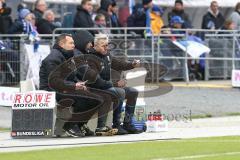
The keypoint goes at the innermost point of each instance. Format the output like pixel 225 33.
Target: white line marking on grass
pixel 203 141
pixel 201 156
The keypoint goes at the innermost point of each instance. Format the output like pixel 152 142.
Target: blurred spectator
pixel 213 19
pixel 33 33
pixel 140 16
pixel 83 17
pixel 4 10
pixel 177 22
pixel 23 24
pixel 21 6
pixel 229 25
pixel 156 20
pixel 106 10
pixel 114 18
pixel 235 16
pixel 94 11
pixel 32 20
pixel 100 22
pixel 178 10
pixel 124 13
pixel 40 8
pixel 5 19
pixel 48 24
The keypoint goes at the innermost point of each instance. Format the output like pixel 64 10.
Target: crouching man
pixel 57 73
pixel 100 50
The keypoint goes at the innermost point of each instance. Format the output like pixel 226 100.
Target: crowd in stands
pixel 42 19
pixel 102 91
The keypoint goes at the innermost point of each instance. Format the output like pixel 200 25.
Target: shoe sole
pixel 61 135
pixel 111 132
pixel 121 133
pixel 135 132
pixel 71 135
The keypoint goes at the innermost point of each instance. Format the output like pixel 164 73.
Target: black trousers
pixel 81 106
pixel 128 93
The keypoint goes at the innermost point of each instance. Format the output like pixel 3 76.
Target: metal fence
pixel 14 62
pixel 158 49
pixel 10 61
pixel 217 64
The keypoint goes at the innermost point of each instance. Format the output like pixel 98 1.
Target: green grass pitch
pixel 220 148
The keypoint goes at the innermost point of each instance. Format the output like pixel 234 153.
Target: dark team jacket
pixel 109 62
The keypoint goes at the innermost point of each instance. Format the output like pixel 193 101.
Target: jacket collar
pixel 67 54
pixel 211 12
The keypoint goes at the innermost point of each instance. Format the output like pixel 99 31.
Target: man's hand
pixel 136 63
pixel 122 83
pixel 80 86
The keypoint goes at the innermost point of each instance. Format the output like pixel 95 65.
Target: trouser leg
pixel 106 107
pixel 76 108
pixel 131 96
pixel 120 94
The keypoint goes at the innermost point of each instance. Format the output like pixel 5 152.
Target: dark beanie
pixel 145 2
pixel 179 1
pixel 81 39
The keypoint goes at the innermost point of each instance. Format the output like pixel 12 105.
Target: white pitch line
pixel 200 156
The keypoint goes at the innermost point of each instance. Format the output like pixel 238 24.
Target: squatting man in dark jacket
pixel 100 50
pixel 60 72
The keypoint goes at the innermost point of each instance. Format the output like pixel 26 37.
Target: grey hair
pixel 46 13
pixel 100 37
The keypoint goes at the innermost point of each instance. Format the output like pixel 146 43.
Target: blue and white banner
pixel 193 48
pixel 34 60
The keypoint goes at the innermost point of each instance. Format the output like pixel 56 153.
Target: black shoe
pixel 121 130
pixel 74 131
pixel 105 131
pixel 85 129
pixel 131 129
